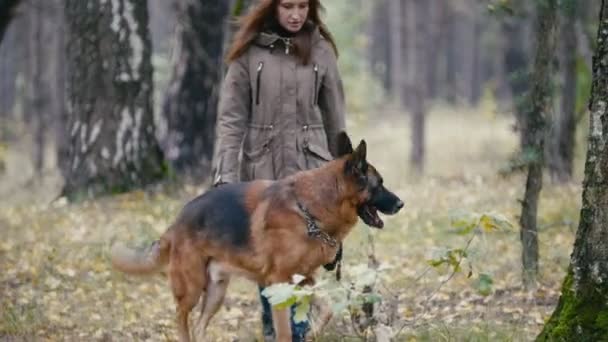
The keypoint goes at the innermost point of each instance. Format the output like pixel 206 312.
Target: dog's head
pixel 372 195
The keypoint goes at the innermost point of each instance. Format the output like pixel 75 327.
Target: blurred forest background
pixel 107 120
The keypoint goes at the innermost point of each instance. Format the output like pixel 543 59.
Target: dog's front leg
pixel 281 322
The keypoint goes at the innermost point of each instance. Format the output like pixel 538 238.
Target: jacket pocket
pixel 318 152
pixel 258 164
pixel 313 149
pixel 258 82
pixel 257 157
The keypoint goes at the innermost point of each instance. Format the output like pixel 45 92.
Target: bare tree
pixel 562 145
pixel 437 35
pixel 112 146
pixel 396 50
pixel 191 100
pixel 533 133
pixel 418 34
pixel 451 87
pixel 516 62
pixel 58 97
pixel 581 312
pixel 41 74
pixel 12 53
pixel 380 46
pixel 476 51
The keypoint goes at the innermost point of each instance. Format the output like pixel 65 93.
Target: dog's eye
pixel 362 181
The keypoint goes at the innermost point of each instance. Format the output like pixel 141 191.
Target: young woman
pixel 282 101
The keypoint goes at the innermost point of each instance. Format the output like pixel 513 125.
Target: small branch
pixel 452 274
pixel 454 271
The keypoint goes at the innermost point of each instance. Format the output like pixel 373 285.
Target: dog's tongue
pixel 373 213
pixel 378 222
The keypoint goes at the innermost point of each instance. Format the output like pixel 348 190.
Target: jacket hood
pixel 268 37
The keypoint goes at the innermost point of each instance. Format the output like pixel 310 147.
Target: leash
pixel 315 232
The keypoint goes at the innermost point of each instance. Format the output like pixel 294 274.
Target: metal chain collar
pixel 313 229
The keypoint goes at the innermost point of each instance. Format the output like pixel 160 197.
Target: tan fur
pixel 278 248
pixel 143 262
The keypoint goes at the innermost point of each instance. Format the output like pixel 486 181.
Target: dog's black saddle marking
pixel 221 213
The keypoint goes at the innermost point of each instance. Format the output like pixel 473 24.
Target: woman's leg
pixel 298 330
pixel 267 328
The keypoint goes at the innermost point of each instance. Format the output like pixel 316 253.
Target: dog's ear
pixel 357 163
pixel 344 145
pixel 361 151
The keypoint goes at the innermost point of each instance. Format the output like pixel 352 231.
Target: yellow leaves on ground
pixel 56 283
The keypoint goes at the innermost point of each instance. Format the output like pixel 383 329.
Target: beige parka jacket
pixel 276 115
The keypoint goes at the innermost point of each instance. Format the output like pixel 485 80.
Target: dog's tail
pixel 148 260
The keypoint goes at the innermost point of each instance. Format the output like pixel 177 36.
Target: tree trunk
pixel 111 126
pixel 564 140
pixel 38 99
pixel 39 76
pixel 191 101
pixel 396 49
pixel 162 23
pixel 436 35
pixel 11 49
pixel 380 47
pixel 60 115
pixel 517 67
pixel 7 8
pixel 476 78
pixel 534 134
pixel 451 82
pixel 582 311
pixel 418 34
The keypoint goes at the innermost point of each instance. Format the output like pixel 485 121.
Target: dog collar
pixel 313 229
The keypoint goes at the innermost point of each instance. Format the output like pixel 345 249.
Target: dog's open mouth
pixel 369 215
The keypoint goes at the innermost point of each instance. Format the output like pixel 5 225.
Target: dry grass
pixel 56 283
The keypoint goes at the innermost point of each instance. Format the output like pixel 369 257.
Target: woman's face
pixel 292 14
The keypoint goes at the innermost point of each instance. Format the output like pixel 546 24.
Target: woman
pixel 282 101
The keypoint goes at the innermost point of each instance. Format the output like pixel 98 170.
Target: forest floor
pixel 56 282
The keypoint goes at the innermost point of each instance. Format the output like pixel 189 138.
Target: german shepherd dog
pixel 266 231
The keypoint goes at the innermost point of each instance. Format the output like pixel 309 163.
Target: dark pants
pixel 298 330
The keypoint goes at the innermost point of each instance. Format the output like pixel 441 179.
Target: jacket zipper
pixel 316 70
pixel 258 80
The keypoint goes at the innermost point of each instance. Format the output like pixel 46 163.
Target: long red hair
pixel 265 13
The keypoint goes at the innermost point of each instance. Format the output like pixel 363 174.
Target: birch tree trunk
pixel 191 100
pixel 582 311
pixel 112 144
